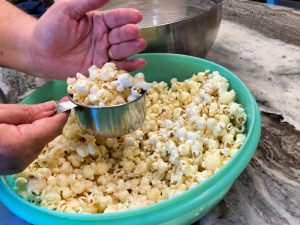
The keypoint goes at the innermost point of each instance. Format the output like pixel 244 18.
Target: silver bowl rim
pixel 217 4
pixel 106 107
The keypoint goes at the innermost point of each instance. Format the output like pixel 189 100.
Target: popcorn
pixel 52 197
pixel 82 151
pixel 228 140
pixel 66 192
pixel 240 138
pixel 189 170
pixel 197 148
pixel 227 97
pixel 200 123
pixel 93 98
pixel 181 133
pixel 106 86
pixel 168 124
pixel 35 185
pixel 92 150
pixel 191 130
pixel 134 95
pixel 82 87
pixel 185 149
pixel 78 187
pixel 212 160
pixel 125 79
pixel 174 157
pixel 88 172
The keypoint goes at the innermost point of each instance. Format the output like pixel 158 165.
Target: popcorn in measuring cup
pixel 107 86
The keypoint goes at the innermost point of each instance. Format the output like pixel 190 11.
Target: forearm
pixel 70 37
pixel 16 28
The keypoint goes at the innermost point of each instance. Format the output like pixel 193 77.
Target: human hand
pixel 70 37
pixel 24 131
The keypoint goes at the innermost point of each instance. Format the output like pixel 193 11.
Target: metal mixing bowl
pixel 177 26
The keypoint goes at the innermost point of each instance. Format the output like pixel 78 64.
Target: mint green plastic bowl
pixel 185 208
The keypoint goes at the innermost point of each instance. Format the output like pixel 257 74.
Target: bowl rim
pixel 217 4
pixel 201 189
pixel 142 96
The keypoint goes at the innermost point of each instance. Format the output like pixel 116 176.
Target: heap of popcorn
pixel 191 130
pixel 106 86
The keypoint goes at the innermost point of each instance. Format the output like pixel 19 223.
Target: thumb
pixel 16 114
pixel 44 130
pixel 77 8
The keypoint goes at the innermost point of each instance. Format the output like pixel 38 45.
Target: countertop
pixel 261 44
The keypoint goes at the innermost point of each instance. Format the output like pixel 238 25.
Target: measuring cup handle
pixel 65 106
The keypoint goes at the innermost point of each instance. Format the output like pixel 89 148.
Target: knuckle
pixel 63 4
pixel 30 112
pixel 114 20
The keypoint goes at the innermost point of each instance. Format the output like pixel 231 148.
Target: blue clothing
pixel 35 8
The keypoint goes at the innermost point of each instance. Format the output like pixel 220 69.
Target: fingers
pixel 113 18
pixel 64 99
pixel 124 33
pixel 130 65
pixel 23 114
pixel 126 49
pixel 122 16
pixel 44 130
pixel 20 145
pixel 77 8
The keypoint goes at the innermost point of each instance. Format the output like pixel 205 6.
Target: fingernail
pixel 47 106
pixel 140 61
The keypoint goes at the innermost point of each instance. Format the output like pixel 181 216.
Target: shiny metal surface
pixel 177 26
pixel 111 121
pixel 65 106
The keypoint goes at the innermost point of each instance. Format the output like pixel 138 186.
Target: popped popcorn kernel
pixel 106 86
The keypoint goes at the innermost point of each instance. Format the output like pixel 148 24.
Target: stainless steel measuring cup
pixel 108 121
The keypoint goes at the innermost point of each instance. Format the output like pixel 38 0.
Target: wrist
pixel 16 30
pixel 36 58
pixel 30 59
